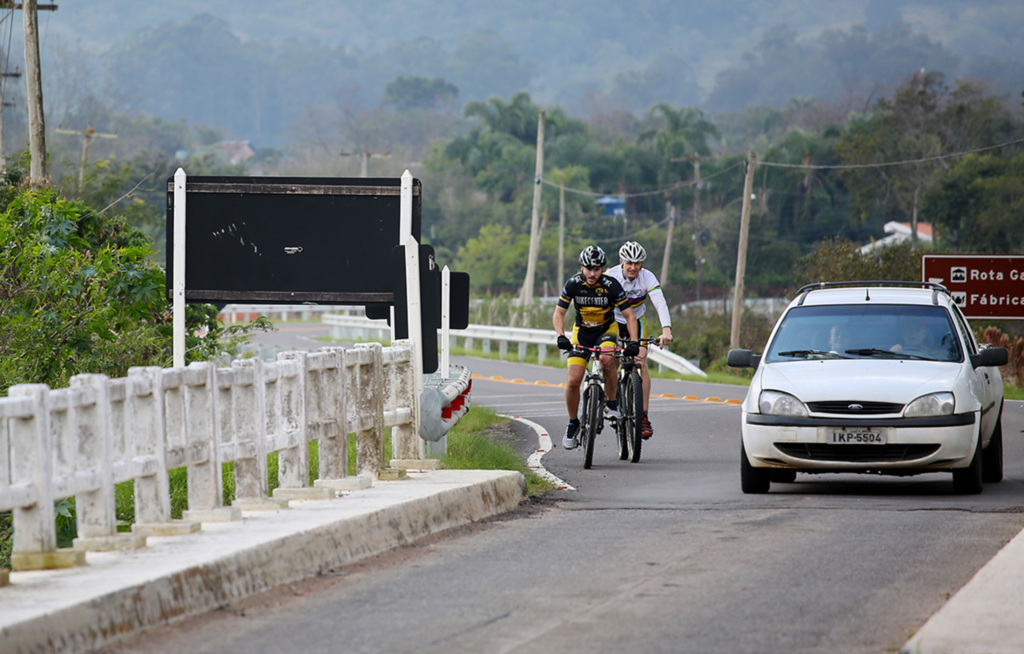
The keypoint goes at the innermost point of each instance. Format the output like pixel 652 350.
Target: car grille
pixel 856 453
pixel 844 407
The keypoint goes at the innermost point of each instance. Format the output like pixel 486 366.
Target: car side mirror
pixel 990 356
pixel 743 359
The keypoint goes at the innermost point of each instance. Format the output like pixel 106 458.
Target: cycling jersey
pixel 596 305
pixel 638 290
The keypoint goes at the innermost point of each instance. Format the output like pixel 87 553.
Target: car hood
pixel 860 379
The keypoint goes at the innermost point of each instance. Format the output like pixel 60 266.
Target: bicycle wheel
pixel 633 403
pixel 595 399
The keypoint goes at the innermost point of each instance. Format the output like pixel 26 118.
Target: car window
pixel 857 331
pixel 965 330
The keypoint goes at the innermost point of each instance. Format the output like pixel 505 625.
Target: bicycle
pixel 629 428
pixel 592 399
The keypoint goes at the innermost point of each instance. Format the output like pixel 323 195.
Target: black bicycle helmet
pixel 592 257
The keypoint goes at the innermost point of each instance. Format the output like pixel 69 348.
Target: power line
pixel 938 157
pixel 689 183
pixel 673 187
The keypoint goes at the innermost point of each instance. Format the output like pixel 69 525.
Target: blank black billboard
pixel 288 240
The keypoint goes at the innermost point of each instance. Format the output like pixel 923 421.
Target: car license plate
pixel 851 436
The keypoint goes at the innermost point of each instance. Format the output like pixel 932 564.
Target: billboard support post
pixel 178 298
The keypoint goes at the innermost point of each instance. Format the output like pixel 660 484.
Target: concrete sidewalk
pixel 983 617
pixel 120 593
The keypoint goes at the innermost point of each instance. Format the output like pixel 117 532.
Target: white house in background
pixel 899 232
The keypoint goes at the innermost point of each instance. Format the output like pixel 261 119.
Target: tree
pixel 837 260
pixel 409 93
pixel 978 204
pixel 898 150
pixel 77 293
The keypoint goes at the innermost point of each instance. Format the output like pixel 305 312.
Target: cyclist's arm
pixel 631 323
pixel 658 299
pixel 558 320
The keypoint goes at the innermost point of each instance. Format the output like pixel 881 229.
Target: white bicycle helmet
pixel 593 257
pixel 632 251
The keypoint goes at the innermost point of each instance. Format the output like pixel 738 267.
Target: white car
pixel 872 377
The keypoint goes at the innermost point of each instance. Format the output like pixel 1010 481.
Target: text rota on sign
pixel 983 286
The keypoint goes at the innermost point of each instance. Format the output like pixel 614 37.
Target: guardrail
pixel 83 440
pixel 354 326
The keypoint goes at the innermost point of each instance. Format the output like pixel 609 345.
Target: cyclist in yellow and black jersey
pixel 596 296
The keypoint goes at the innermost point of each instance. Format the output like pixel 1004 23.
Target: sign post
pixel 989 287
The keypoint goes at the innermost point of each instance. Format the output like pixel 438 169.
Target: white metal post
pixel 178 287
pixel 415 321
pixel 446 319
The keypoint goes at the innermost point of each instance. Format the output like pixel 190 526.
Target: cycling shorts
pixel 641 328
pixel 591 338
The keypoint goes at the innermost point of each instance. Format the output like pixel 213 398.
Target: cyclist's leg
pixel 609 364
pixel 576 367
pixel 645 380
pixel 642 361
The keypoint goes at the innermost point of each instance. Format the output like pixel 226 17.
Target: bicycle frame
pixel 630 401
pixel 592 399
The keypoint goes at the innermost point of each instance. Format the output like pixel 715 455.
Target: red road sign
pixel 983 286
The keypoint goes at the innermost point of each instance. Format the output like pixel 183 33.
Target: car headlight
pixel 776 403
pixel 936 404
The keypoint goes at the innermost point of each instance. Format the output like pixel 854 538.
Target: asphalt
pixel 118 594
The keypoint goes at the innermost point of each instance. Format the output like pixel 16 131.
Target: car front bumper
pixel 912 444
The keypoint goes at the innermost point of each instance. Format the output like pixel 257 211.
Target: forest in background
pixel 828 85
pixel 258 75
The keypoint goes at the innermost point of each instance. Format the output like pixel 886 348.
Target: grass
pixel 480 441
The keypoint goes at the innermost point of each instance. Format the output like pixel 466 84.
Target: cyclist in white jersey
pixel 640 284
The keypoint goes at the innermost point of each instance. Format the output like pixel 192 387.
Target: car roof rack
pixel 876 283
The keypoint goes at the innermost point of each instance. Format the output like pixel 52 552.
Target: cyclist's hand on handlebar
pixel 564 343
pixel 632 348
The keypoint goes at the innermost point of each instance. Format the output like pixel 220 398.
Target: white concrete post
pixel 249 420
pixel 292 462
pixel 405 392
pixel 95 509
pixel 205 481
pixel 178 282
pixel 333 437
pixel 364 390
pixel 35 532
pixel 146 413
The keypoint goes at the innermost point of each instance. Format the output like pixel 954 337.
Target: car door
pixel 987 381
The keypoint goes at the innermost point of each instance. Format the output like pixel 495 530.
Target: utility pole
pixel 670 211
pixel 741 253
pixel 87 135
pixel 698 257
pixel 33 38
pixel 364 159
pixel 34 88
pixel 526 295
pixel 561 232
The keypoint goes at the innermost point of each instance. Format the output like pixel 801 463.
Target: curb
pixel 121 593
pixel 983 617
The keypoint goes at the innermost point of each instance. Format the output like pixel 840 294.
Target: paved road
pixel 662 556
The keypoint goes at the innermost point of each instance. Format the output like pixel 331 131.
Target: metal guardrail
pixel 347 326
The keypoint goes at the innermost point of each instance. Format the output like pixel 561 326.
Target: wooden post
pixel 526 294
pixel 741 253
pixel 34 93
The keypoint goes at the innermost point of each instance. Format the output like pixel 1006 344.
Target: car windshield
pixel 887 331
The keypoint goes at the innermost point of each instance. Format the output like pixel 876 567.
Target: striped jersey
pixel 638 290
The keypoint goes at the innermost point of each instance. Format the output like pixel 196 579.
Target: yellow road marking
pixel 665 396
